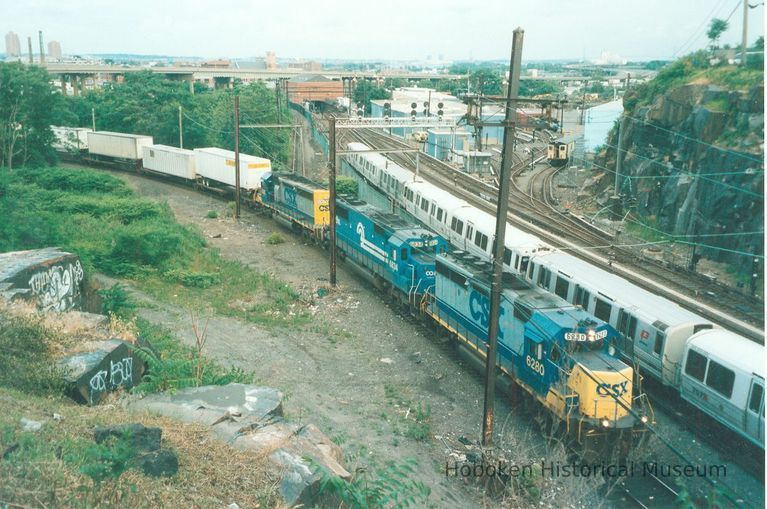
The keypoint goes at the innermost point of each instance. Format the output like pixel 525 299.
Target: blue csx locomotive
pixel 565 360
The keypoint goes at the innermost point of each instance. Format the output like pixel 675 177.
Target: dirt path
pixel 363 370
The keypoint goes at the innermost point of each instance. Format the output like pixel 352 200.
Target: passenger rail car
pixel 463 225
pixel 559 151
pixel 567 361
pixel 724 377
pixel 656 330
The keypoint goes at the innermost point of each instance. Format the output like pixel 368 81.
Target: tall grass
pixel 120 234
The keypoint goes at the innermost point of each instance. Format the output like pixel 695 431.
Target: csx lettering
pixel 616 390
pixel 324 207
pixel 535 365
pixel 479 307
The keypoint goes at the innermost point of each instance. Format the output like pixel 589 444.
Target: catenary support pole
pixel 237 156
pixel 500 236
pixel 180 127
pixel 332 197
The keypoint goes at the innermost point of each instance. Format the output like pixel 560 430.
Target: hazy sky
pixel 388 29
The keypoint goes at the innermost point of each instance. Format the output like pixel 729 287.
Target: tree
pixel 28 107
pixel 715 30
pixel 486 82
pixel 366 91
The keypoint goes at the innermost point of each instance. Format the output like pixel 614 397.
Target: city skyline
pixel 401 31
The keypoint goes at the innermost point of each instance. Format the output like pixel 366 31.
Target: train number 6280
pixel 535 365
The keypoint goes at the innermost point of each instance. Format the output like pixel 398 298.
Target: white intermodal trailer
pixel 217 165
pixel 117 146
pixel 173 161
pixel 70 139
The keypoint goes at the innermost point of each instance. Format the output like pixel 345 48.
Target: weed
pixel 392 486
pixel 275 238
pixel 212 214
pixel 116 301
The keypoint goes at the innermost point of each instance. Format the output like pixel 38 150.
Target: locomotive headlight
pixel 644 419
pixel 591 335
pixel 611 350
pixel 605 423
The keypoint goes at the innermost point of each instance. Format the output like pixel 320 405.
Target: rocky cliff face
pixel 693 164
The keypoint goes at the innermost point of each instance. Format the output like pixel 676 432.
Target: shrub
pixel 274 239
pixel 116 301
pixel 347 185
pixel 212 214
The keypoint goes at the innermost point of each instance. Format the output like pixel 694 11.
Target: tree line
pixel 145 103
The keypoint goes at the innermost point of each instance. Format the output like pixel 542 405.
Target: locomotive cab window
pixel 696 365
pixel 659 338
pixel 403 253
pixel 720 379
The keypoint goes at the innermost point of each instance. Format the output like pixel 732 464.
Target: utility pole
pixel 500 236
pixel 93 119
pixel 42 51
pixel 479 126
pixel 29 45
pixel 237 156
pixel 745 33
pixel 332 197
pixel 277 98
pixel 180 128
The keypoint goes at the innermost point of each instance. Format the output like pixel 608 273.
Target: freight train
pixel 566 362
pixel 657 334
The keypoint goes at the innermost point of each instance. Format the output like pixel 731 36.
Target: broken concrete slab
pixel 161 463
pixel 104 367
pixel 50 278
pixel 229 409
pixel 250 418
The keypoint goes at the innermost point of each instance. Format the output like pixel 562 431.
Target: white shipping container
pixel 169 161
pixel 70 139
pixel 119 145
pixel 218 164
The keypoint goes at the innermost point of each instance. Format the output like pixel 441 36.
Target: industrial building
pixel 314 88
pixel 12 45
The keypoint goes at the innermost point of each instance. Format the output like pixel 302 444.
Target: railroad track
pixel 536 211
pixel 648 492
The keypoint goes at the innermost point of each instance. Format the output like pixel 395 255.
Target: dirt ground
pixel 362 386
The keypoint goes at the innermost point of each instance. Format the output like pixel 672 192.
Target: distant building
pixel 314 87
pixel 271 60
pixel 217 64
pixel 54 50
pixel 12 45
pixel 310 66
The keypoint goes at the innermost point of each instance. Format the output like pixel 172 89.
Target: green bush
pixel 116 301
pixel 212 214
pixel 275 238
pixel 347 185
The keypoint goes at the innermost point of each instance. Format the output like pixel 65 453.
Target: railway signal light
pixel 387 110
pixel 440 112
pixel 413 113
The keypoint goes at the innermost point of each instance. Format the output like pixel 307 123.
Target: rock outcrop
pixel 696 155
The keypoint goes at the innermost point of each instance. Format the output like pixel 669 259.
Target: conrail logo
pixel 290 196
pixel 479 307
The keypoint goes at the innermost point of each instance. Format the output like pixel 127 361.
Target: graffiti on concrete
pixel 111 365
pixel 57 288
pixel 120 374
